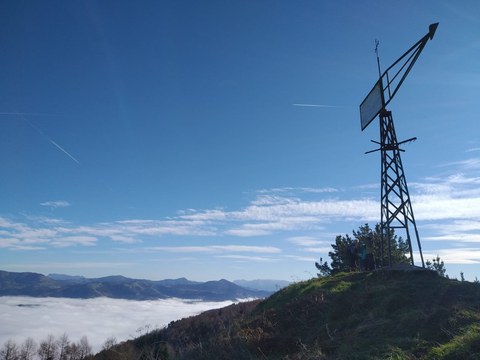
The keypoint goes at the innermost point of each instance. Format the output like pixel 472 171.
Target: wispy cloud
pixel 297 190
pixel 310 259
pixel 246 258
pixel 218 249
pixel 269 214
pixel 73 265
pixel 247 232
pixel 455 238
pixel 448 208
pixel 251 249
pixel 67 241
pixel 456 255
pixel 473 149
pixel 319 250
pixel 467 164
pixel 305 241
pixel 56 204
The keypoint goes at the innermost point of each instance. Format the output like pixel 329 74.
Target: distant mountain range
pixel 266 285
pixel 119 287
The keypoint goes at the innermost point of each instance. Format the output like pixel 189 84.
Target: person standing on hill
pixel 352 255
pixel 362 256
pixel 369 260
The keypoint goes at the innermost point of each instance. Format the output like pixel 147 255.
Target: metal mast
pixel 396 207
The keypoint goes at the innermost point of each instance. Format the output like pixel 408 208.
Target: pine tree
pixel 437 265
pixel 363 251
pixel 323 268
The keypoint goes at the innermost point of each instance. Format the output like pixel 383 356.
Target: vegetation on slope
pixel 364 315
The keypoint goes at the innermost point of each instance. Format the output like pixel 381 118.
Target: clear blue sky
pixel 160 139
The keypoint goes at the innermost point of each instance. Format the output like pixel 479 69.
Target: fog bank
pixel 98 319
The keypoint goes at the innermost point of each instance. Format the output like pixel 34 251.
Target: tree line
pixel 50 348
pixel 362 251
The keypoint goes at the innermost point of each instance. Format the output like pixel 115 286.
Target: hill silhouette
pixel 370 315
pixel 120 287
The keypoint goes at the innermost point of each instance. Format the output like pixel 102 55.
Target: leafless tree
pixel 48 349
pixel 28 350
pixel 62 346
pixel 9 351
pixel 84 348
pixel 72 352
pixel 109 343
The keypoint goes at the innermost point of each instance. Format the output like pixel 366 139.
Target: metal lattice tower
pixel 396 207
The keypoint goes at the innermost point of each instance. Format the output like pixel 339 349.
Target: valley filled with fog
pixel 98 319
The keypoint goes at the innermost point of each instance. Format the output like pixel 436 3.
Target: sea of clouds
pixel 98 319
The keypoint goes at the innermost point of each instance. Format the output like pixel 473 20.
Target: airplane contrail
pixel 52 142
pixel 315 105
pixel 26 114
pixel 64 151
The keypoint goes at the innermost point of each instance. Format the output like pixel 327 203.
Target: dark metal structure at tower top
pixel 396 207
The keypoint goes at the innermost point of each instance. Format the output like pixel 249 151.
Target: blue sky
pixel 161 139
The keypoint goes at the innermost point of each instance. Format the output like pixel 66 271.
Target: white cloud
pixel 268 200
pixel 319 250
pixel 28 248
pixel 125 239
pixel 458 226
pixel 296 190
pixel 243 248
pixel 218 248
pixel 8 242
pixel 66 265
pixel 181 249
pixel 455 237
pixel 467 164
pixel 448 207
pixel 248 258
pixel 77 318
pixel 439 208
pixel 456 255
pixel 305 241
pixel 56 204
pixel 309 259
pixel 247 232
pixel 74 240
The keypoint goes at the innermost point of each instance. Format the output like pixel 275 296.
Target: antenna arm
pixel 372 151
pixel 408 140
pixel 414 52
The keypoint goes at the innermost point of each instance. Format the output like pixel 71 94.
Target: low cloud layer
pixel 98 319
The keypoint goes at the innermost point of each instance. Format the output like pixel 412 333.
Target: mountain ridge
pixel 120 287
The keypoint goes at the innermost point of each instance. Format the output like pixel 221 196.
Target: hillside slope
pixel 379 315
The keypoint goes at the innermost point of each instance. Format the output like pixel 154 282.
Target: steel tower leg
pixel 396 208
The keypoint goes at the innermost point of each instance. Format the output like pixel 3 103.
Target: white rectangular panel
pixel 371 106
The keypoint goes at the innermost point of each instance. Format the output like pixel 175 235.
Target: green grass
pixel 374 315
pixel 465 345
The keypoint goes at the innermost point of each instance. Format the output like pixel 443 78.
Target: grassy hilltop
pixel 369 315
